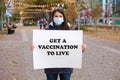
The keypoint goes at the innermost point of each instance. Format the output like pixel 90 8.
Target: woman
pixel 59 23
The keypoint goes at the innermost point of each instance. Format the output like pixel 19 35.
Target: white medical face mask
pixel 58 21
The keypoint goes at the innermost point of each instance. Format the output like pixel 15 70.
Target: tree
pixel 93 3
pixel 42 2
pixel 81 5
pixel 2 6
pixel 2 11
pixel 71 12
pixel 96 13
pixel 116 9
pixel 34 9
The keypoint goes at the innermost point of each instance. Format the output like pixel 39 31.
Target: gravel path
pixel 101 60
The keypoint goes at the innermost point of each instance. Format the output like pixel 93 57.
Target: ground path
pixel 101 60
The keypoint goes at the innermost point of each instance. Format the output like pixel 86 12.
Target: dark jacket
pixel 57 70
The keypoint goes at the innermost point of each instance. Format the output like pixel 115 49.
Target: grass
pixel 2 34
pixel 103 34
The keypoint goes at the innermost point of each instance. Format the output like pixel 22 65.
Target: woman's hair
pixel 64 25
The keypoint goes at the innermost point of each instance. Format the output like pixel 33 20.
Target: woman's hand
pixel 84 47
pixel 32 47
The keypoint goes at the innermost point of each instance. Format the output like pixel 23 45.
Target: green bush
pixel 29 23
pixel 83 27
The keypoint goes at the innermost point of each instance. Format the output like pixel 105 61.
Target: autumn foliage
pixel 96 12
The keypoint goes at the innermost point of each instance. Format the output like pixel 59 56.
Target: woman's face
pixel 58 15
pixel 58 18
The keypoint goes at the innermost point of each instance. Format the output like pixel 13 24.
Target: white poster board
pixel 57 49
